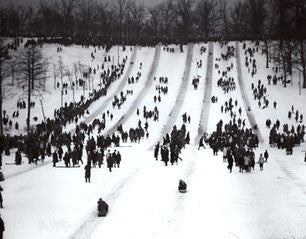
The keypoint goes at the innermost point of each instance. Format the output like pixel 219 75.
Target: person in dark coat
pixel 100 157
pixel 60 152
pixel 266 155
pixel 87 172
pixel 230 161
pixel 156 151
pixel 2 228
pixel 109 160
pixel 165 154
pixel 201 143
pixel 0 159
pixel 118 159
pixel 102 208
pixel 18 158
pixel 1 200
pixel 54 158
pixel 182 186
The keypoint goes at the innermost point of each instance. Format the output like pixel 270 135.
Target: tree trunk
pixel 267 54
pixel 29 99
pixel 1 100
pixel 303 63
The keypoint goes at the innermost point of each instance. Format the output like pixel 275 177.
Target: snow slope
pixel 46 202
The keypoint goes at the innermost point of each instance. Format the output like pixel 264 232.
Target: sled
pixel 1 176
pixel 102 213
pixel 13 163
pixel 182 190
pixel 63 166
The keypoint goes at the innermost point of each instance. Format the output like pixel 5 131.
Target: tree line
pixel 127 21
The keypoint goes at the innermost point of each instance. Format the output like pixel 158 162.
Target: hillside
pixel 41 201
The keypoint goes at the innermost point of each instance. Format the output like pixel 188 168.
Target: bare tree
pixel 238 18
pixel 4 73
pixel 104 19
pixel 256 16
pixel 120 10
pixel 206 17
pixel 61 72
pixel 67 8
pixel 138 14
pixel 49 21
pixel 33 67
pixel 184 10
pixel 86 11
pixel 299 20
pixel 223 15
pixel 168 17
pixel 155 21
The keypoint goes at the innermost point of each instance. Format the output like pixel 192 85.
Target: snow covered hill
pixel 46 202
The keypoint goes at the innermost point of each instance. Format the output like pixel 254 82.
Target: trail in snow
pixel 188 172
pixel 27 170
pixel 180 97
pixel 207 94
pixel 245 98
pixel 86 229
pixel 142 94
pixel 92 116
pixel 98 111
pixel 92 221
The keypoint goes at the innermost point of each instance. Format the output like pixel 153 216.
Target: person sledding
pixel 182 186
pixel 102 208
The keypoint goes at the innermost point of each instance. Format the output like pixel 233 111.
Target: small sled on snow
pixel 182 186
pixel 102 208
pixel 102 213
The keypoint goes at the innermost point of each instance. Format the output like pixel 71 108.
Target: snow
pixel 45 202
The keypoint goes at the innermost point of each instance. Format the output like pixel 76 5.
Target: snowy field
pixel 45 202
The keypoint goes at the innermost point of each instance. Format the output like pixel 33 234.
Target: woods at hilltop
pixel 173 20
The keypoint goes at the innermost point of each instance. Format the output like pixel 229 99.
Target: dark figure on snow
pixel 18 158
pixel 1 199
pixel 230 161
pixel 2 228
pixel 54 158
pixel 266 155
pixel 201 143
pixel 182 186
pixel 156 151
pixel 102 208
pixel 87 172
pixel 261 161
pixel 118 159
pixel 109 160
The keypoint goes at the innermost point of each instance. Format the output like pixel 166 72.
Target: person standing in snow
pixel 1 158
pixel 18 158
pixel 55 158
pixel 266 155
pixel 87 172
pixel 109 160
pixel 156 151
pixel 1 199
pixel 2 228
pixel 230 161
pixel 102 208
pixel 117 158
pixel 225 154
pixel 201 143
pixel 261 162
